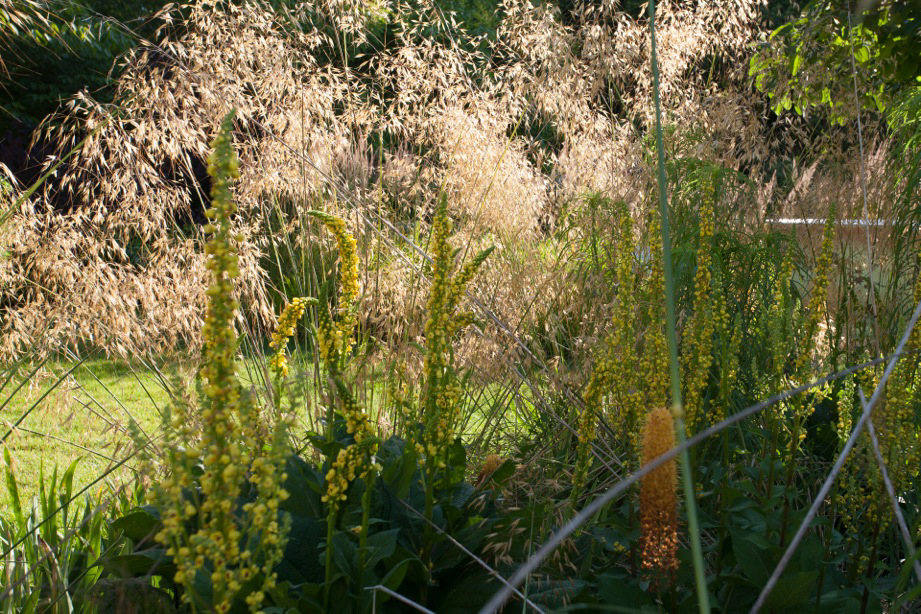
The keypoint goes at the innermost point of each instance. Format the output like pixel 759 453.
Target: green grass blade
pixel 13 489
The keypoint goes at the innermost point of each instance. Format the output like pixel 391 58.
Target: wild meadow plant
pixel 221 538
pixel 699 331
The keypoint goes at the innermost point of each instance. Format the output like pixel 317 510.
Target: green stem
pixel 791 473
pixel 363 536
pixel 724 498
pixel 703 597
pixel 428 534
pixel 330 526
pixel 769 487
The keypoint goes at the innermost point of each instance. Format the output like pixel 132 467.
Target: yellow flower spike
pixel 287 320
pixel 698 334
pixel 612 380
pixel 223 432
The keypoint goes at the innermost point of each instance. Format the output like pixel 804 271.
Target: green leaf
pixel 399 465
pixel 467 595
pixel 152 561
pixel 381 545
pixel 65 491
pixel 12 487
pixel 138 523
pixel 300 563
pixel 343 552
pixel 395 576
pixel 621 590
pixel 791 590
pixel 751 557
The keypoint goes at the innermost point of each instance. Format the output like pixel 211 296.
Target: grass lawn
pixel 85 417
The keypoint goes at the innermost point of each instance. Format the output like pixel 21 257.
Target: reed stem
pixel 703 596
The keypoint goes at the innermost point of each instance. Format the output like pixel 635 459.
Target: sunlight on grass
pixel 85 417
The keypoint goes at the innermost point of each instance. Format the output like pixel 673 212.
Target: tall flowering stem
pixel 334 336
pixel 289 317
pixel 659 502
pixel 803 367
pixel 334 340
pixel 440 403
pixel 231 548
pixel 703 597
pixel 613 379
pixel 698 336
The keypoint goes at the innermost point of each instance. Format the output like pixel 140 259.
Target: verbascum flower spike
pixel 355 460
pixel 625 389
pixel 654 359
pixel 289 317
pixel 698 334
pixel 599 383
pixel 440 400
pixel 659 502
pixel 815 310
pixel 234 547
pixel 349 282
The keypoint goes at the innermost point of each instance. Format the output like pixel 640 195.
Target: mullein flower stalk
pixel 654 357
pixel 289 317
pixel 778 324
pixel 334 341
pixel 441 393
pixel 626 389
pixel 613 376
pixel 659 502
pixel 866 501
pixel 803 368
pixel 230 548
pixel 698 334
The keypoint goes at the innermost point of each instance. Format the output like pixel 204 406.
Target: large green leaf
pixel 792 590
pixel 150 562
pixel 139 523
pixel 751 557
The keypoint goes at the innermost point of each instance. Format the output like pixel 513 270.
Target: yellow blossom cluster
pixel 698 334
pixel 441 396
pixel 355 460
pixel 226 438
pixel 334 341
pixel 289 317
pixel 351 462
pixel 335 338
pixel 659 501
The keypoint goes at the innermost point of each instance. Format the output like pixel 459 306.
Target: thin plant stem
pixel 871 294
pixel 365 523
pixel 330 526
pixel 700 580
